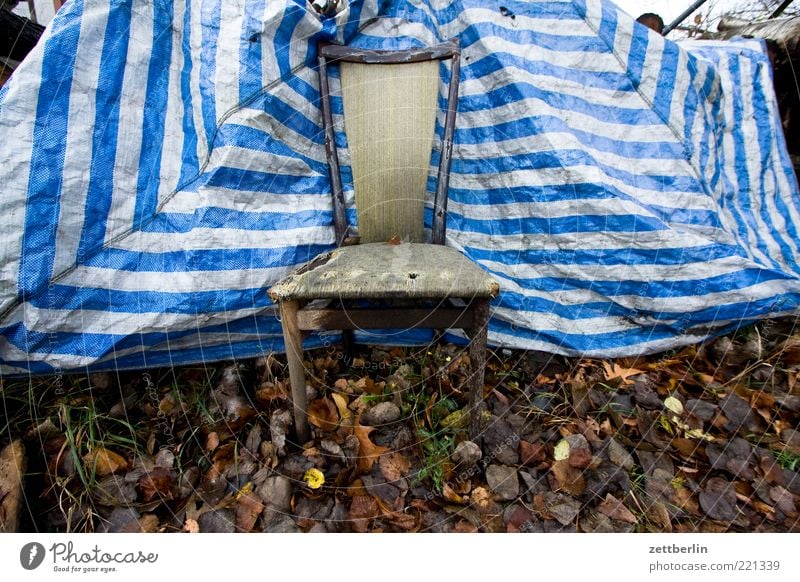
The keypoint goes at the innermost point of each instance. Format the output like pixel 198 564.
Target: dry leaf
pixel 368 452
pixel 322 414
pixel 568 478
pixel 314 478
pixel 104 462
pixel 341 405
pixel 157 482
pixel 614 371
pixel 362 509
pixel 394 466
pixel 561 451
pixel 248 508
pixel 613 508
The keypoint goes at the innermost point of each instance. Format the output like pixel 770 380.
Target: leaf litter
pixel 704 438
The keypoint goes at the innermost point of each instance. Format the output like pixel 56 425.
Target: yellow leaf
pixel 457 419
pixel 314 478
pixel 697 433
pixel 673 404
pixel 341 405
pixel 104 462
pixel 561 452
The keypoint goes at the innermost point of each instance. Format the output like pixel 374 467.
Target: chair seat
pixel 387 271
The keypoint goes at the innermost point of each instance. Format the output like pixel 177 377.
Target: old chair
pixel 390 102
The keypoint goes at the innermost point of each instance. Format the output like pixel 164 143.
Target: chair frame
pixel 297 318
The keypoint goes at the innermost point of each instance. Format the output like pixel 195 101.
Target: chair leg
pixel 294 356
pixel 477 356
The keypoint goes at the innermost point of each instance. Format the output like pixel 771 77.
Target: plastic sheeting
pixel 162 165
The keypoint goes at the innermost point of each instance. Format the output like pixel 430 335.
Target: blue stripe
pixel 154 116
pixel 210 11
pixel 629 256
pixel 250 64
pixel 205 260
pixel 190 166
pixel 47 153
pixel 106 125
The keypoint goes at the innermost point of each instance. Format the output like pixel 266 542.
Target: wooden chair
pixel 390 101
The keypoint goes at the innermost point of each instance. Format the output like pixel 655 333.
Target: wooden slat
pixel 326 319
pixel 348 54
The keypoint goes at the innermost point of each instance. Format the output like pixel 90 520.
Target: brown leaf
pixel 322 413
pixel 568 478
pixel 394 466
pixel 363 508
pixel 450 495
pixel 248 508
pixel 614 371
pixel 159 482
pixel 368 452
pixel 531 453
pixel 463 526
pixel 212 441
pixel 580 458
pixel 614 508
pixel 104 462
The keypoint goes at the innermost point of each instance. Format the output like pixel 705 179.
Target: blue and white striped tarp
pixel 162 165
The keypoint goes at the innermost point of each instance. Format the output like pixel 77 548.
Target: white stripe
pixel 80 133
pixel 130 136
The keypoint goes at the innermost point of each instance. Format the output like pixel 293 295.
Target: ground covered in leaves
pixel 701 439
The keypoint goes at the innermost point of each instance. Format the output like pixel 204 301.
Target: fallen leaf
pixel 248 508
pixel 561 451
pixel 322 413
pixel 368 451
pixel 157 482
pixel 614 508
pixel 212 441
pixel 568 478
pixel 394 466
pixel 363 508
pixel 450 495
pixel 673 404
pixel 104 462
pixel 531 453
pixel 341 405
pixel 614 371
pixel 314 478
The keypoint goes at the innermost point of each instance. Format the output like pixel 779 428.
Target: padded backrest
pixel 390 104
pixel 389 119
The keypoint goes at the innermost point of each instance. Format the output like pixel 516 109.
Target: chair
pixel 390 103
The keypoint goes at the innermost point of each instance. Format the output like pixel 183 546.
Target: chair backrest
pixel 390 101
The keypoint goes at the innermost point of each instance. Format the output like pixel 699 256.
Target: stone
pixel 381 414
pixel 701 409
pixel 467 454
pixel 531 453
pixel 646 396
pixel 563 508
pixel 503 482
pixel 283 524
pixel 619 455
pixel 276 491
pixel 217 521
pixel 501 442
